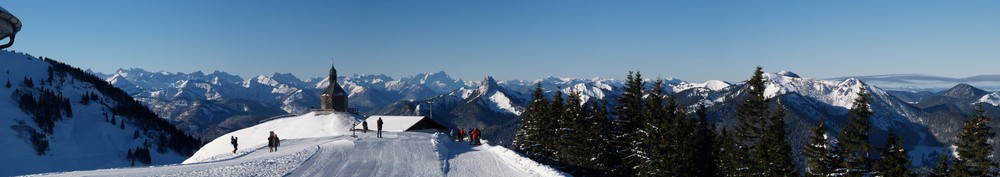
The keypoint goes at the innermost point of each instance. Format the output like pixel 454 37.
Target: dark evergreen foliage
pixel 626 132
pixel 894 161
pixel 529 137
pixel 854 144
pixel 974 149
pixel 942 169
pixel 705 154
pixel 819 156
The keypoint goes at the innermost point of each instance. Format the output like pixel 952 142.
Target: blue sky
pixel 689 40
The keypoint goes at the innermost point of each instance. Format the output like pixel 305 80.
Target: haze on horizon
pixel 688 40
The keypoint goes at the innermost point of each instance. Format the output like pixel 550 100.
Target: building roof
pixel 401 123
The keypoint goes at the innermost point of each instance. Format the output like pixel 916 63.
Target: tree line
pixel 650 134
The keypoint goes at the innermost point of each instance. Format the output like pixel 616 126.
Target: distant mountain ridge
pixel 921 82
pixel 495 105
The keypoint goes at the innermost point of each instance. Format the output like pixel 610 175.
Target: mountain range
pixel 208 105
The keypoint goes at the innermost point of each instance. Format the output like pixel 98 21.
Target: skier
pixel 365 126
pixel 379 127
pixel 232 140
pixel 461 134
pixel 451 134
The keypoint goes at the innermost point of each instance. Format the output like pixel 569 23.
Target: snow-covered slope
pixel 84 134
pixel 319 145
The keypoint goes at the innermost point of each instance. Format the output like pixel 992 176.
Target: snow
pixel 84 141
pixel 390 123
pixel 992 99
pixel 503 103
pixel 325 150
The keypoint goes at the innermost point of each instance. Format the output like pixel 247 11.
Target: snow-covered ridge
pixel 992 99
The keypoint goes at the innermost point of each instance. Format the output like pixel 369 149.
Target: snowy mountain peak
pixel 787 73
pixel 487 83
pixel 992 99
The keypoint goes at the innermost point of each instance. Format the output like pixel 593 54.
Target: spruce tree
pixel 854 144
pixel 8 83
pixel 819 157
pixel 572 124
pixel 650 148
pixel 555 133
pixel 973 147
pixel 894 160
pixel 752 124
pixel 705 150
pixel 773 153
pixel 732 156
pixel 599 144
pixel 529 137
pixel 942 169
pixel 628 123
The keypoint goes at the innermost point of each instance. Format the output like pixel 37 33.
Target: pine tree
pixel 942 169
pixel 854 138
pixel 654 129
pixel 894 160
pixel 732 157
pixel 556 134
pixel 773 153
pixel 705 150
pixel 8 83
pixel 625 134
pixel 752 124
pixel 122 125
pixel 818 154
pixel 529 137
pixel 973 147
pixel 600 149
pixel 572 123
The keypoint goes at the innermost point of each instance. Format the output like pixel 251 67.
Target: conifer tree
pixel 894 160
pixel 773 153
pixel 8 83
pixel 555 134
pixel 819 157
pixel 705 150
pixel 627 125
pixel 752 124
pixel 853 140
pixel 571 130
pixel 942 169
pixel 653 129
pixel 529 137
pixel 122 125
pixel 974 149
pixel 732 157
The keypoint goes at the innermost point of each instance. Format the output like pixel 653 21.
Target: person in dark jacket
pixel 232 140
pixel 364 125
pixel 379 127
pixel 272 142
pixel 472 136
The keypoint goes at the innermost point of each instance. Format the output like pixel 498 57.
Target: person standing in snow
pixel 379 127
pixel 472 136
pixel 479 136
pixel 232 140
pixel 272 142
pixel 364 125
pixel 461 134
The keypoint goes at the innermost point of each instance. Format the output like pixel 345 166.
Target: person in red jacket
pixel 472 136
pixel 461 134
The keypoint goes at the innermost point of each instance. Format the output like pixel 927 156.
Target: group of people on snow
pixel 272 142
pixel 364 126
pixel 473 134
